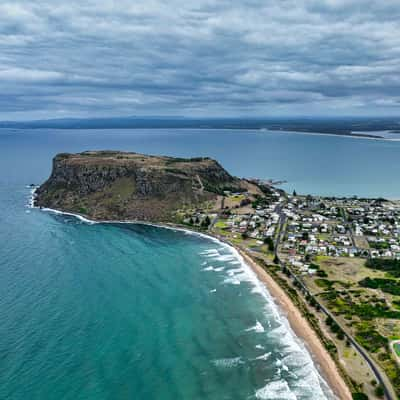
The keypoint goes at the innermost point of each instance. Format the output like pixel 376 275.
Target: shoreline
pixel 364 135
pixel 344 135
pixel 302 330
pixel 297 322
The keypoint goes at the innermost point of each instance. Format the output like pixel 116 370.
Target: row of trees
pixel 205 223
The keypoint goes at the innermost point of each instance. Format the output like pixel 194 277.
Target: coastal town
pixel 314 225
pixel 341 256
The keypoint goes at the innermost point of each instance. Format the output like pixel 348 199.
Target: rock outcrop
pixel 112 185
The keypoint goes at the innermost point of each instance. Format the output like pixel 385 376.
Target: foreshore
pixel 303 330
pixel 297 321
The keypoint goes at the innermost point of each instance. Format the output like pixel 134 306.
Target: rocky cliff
pixel 113 185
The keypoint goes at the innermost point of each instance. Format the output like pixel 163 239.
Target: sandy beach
pixel 303 330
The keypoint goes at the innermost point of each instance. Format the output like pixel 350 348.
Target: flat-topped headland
pixel 114 185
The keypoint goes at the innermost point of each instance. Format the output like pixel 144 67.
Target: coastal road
pixel 347 224
pixel 281 225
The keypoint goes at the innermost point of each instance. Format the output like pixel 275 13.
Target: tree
pixel 313 302
pixel 206 222
pixel 359 396
pixel 191 221
pixel 340 335
pixel 271 246
pixel 335 328
pixel 321 273
pixel 276 260
pixel 270 243
pixel 294 193
pixel 379 392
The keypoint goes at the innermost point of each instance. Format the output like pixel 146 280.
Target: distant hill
pixel 338 126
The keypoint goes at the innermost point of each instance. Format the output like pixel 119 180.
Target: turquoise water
pixel 118 311
pixel 128 311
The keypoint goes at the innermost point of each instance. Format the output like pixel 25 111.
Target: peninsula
pixel 113 185
pixel 331 263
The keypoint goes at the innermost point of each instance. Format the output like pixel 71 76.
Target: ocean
pixel 122 311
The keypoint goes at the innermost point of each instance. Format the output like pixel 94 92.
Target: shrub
pixel 370 339
pixel 340 335
pixel 388 265
pixel 379 392
pixel 270 243
pixel 391 286
pixel 206 222
pixel 359 396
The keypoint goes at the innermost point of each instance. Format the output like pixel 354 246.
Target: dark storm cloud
pixel 198 57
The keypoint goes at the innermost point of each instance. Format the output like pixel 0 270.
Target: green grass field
pixel 396 348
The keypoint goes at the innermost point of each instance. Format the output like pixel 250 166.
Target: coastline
pixel 344 135
pixel 353 134
pixel 297 322
pixel 302 329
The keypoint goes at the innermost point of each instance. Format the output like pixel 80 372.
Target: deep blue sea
pixel 119 311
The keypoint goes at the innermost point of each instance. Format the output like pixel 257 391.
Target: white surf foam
pixel 211 268
pixel 256 328
pixel 284 335
pixel 275 390
pixel 264 357
pixel 210 253
pixel 231 281
pixel 228 362
pixel 225 257
pixel 31 200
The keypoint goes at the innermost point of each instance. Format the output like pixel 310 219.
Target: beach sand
pixel 303 330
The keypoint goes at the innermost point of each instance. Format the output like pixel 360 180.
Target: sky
pixel 199 58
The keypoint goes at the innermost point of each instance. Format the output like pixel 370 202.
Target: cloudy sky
pixel 199 58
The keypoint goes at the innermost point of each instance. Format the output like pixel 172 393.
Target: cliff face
pixel 116 185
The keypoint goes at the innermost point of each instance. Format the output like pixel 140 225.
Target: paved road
pixel 281 224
